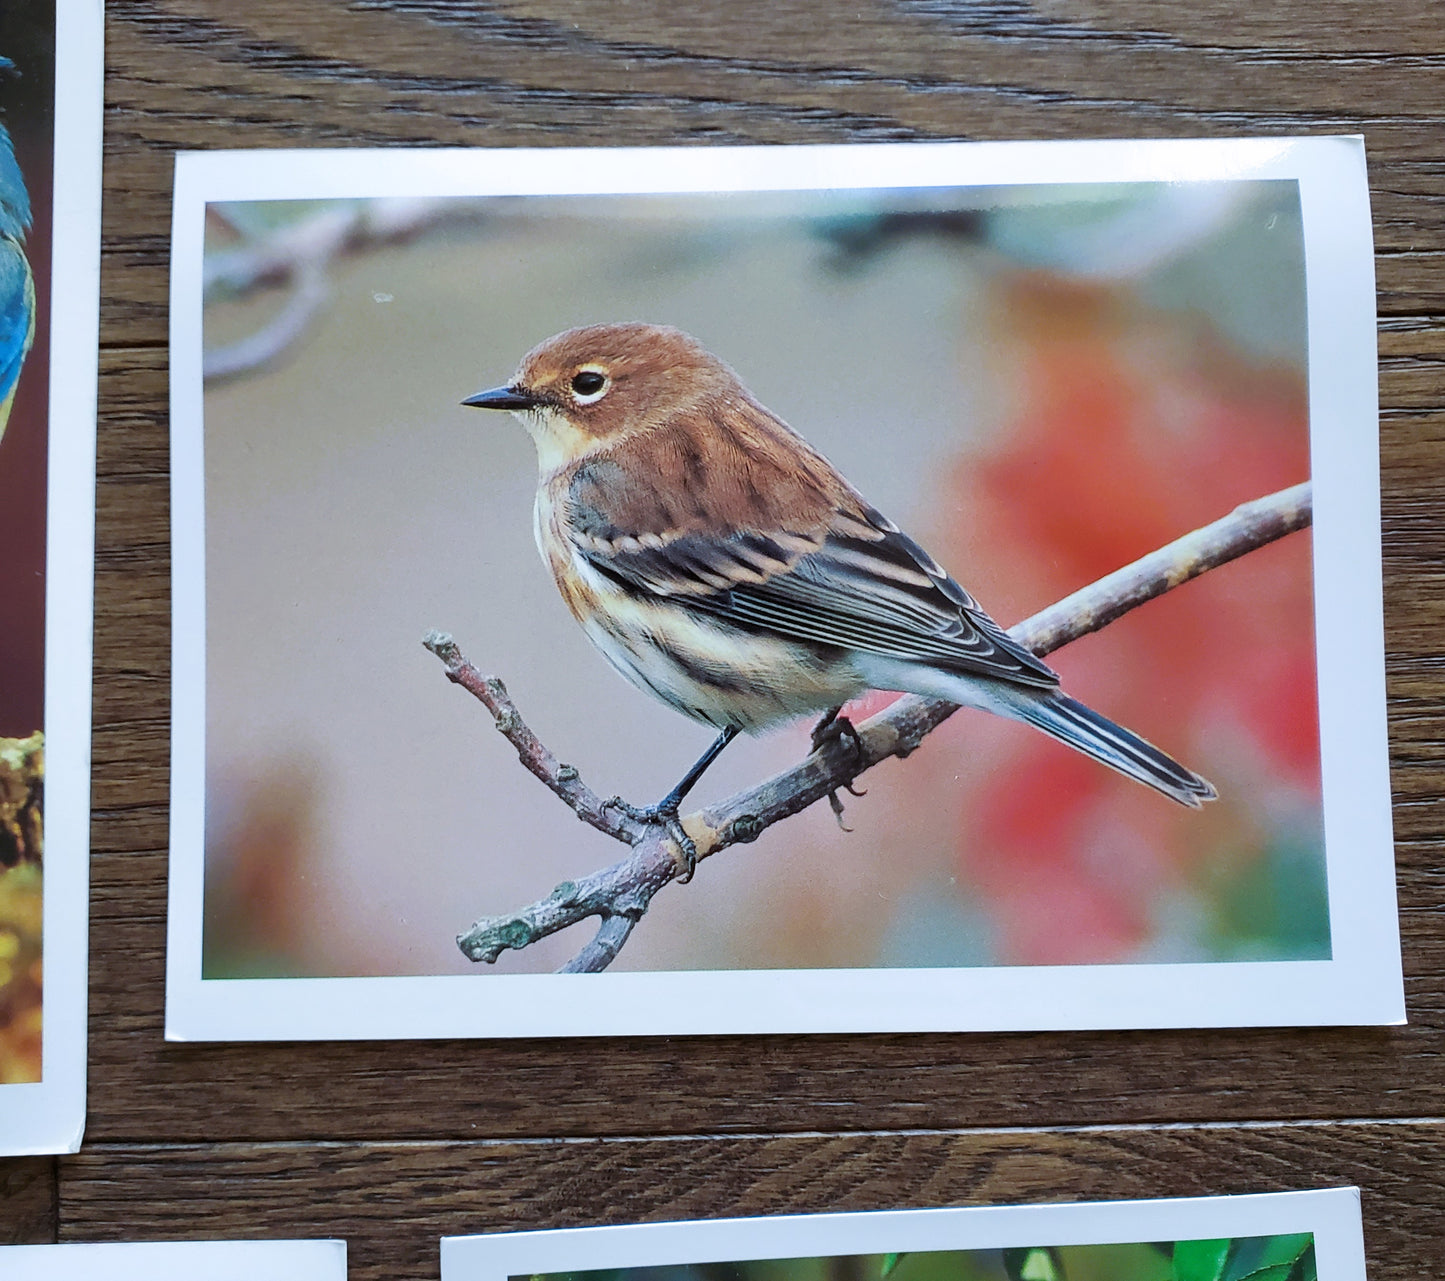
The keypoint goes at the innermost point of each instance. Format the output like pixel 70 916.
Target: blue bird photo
pixel 17 285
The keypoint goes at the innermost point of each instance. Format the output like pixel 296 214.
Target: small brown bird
pixel 723 565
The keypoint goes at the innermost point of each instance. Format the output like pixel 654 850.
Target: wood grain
pixel 394 1145
pixel 393 1200
pixel 28 1201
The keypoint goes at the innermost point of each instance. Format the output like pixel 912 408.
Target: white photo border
pixel 48 1116
pixel 177 1261
pixel 1332 1215
pixel 1361 983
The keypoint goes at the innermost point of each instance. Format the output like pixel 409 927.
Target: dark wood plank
pixel 29 1201
pixel 392 1201
pixel 757 66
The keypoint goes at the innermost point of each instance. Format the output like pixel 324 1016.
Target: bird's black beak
pixel 502 398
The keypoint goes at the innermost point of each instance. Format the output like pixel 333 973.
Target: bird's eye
pixel 588 383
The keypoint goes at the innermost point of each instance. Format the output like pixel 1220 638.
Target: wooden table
pixel 393 1145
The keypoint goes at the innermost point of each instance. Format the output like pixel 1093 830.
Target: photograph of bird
pixel 723 565
pixel 17 285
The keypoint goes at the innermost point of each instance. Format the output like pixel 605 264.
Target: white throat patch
pixel 559 441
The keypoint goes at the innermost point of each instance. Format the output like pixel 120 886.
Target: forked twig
pixel 620 894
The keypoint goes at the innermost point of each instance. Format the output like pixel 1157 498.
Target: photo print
pixel 816 444
pixel 50 155
pixel 176 1261
pixel 1291 1236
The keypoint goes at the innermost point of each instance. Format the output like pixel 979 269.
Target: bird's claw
pixel 834 728
pixel 667 819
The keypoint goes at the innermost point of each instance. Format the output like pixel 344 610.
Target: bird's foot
pixel 665 816
pixel 834 728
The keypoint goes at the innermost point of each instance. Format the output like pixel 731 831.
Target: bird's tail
pixel 1082 728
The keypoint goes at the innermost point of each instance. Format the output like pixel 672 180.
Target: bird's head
pixel 584 388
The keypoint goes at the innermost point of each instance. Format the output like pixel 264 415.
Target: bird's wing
pixel 844 576
pixel 887 596
pixel 17 320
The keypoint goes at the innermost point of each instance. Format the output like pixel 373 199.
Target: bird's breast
pixel 694 662
pixel 574 581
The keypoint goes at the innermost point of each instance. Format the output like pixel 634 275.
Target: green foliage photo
pixel 1273 1258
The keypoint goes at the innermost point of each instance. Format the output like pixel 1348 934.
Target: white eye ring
pixel 589 385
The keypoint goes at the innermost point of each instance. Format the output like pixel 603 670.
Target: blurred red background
pixel 1132 428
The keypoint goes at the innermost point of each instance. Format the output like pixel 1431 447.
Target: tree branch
pixel 562 779
pixel 301 253
pixel 620 895
pixel 276 336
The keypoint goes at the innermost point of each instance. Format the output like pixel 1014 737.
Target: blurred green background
pixel 1038 383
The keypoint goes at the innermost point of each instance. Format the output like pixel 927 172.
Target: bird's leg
pixel 669 803
pixel 664 813
pixel 831 729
